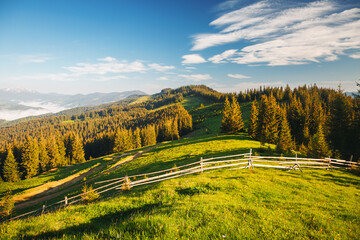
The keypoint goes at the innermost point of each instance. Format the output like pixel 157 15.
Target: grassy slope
pixel 54 175
pixel 263 203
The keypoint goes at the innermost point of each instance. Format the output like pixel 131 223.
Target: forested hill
pixel 312 120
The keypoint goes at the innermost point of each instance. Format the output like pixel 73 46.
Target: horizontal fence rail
pixel 233 162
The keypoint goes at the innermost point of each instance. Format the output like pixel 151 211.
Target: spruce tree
pixel 148 135
pixel 232 121
pixel 175 130
pixel 30 157
pixel 339 122
pixel 296 120
pixel 53 153
pixel 119 141
pixel 43 155
pixel 137 138
pixel 318 146
pixel 236 118
pixel 78 155
pixel 226 121
pixel 11 169
pixel 63 160
pixel 253 122
pixel 284 143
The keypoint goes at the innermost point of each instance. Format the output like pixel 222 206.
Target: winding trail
pixel 74 182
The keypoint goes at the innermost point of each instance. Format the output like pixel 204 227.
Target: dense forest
pixel 315 121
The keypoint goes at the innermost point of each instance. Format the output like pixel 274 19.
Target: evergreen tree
pixel 53 153
pixel 62 160
pixel 232 121
pixel 74 148
pixel 137 138
pixel 318 146
pixel 296 120
pixel 268 119
pixel 119 140
pixel 78 155
pixel 30 157
pixel 148 135
pixel 11 169
pixel 226 121
pixel 175 130
pixel 236 118
pixel 285 143
pixel 339 122
pixel 253 122
pixel 43 155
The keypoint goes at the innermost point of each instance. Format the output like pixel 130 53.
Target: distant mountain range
pixel 18 103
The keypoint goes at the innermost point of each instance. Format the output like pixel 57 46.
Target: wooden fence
pixel 238 161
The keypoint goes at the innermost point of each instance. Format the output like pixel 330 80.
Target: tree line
pixel 315 121
pixel 35 155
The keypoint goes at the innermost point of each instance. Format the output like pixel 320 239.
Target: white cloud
pixel 355 56
pixel 163 78
pixel 108 78
pixel 227 5
pixel 220 58
pixel 112 65
pixel 160 68
pixel 196 77
pixel 37 108
pixel 107 59
pixel 192 59
pixel 108 67
pixel 36 58
pixel 238 76
pixel 312 32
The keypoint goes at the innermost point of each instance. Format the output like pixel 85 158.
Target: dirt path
pixel 56 192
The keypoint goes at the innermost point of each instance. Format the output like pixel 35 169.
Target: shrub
pixel 90 194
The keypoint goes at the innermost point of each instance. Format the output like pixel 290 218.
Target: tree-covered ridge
pixel 312 120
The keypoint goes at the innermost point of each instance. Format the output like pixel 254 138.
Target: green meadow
pixel 228 203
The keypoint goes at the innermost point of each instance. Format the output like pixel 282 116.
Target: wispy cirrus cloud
pixel 112 65
pixel 238 76
pixel 193 59
pixel 34 58
pixel 221 58
pixel 160 68
pixel 275 35
pixel 195 77
pixel 106 69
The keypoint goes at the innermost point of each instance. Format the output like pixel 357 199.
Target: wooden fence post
pixel 201 164
pixel 250 164
pixel 329 163
pixel 43 209
pixel 66 201
pixel 127 184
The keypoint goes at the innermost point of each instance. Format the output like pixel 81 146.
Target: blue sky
pixel 105 46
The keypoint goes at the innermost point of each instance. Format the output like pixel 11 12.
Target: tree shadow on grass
pixel 97 224
pixel 344 181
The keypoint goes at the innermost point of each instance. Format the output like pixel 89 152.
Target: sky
pixel 68 46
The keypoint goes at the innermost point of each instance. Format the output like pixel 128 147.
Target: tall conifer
pixel 318 146
pixel 253 122
pixel 43 155
pixel 11 169
pixel 226 120
pixel 284 143
pixel 30 157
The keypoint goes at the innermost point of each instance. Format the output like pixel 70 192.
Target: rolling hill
pixel 217 204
